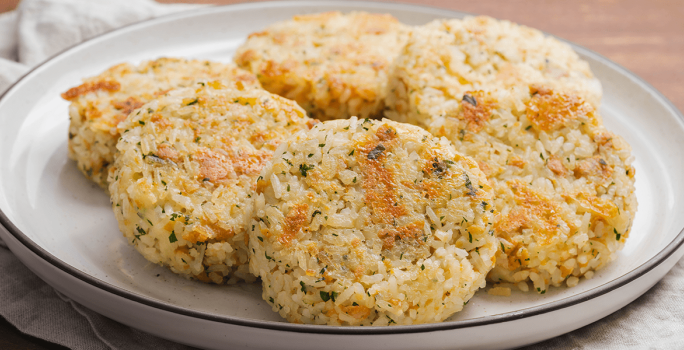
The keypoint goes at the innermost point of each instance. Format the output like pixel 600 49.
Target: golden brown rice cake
pixel 103 101
pixel 563 184
pixel 445 58
pixel 366 222
pixel 183 179
pixel 334 65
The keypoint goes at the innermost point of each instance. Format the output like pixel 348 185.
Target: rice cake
pixel 367 222
pixel 103 101
pixel 334 65
pixel 563 184
pixel 446 58
pixel 183 179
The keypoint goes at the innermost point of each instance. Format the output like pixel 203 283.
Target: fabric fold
pixel 46 27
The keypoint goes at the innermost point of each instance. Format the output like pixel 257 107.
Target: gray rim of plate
pixel 288 327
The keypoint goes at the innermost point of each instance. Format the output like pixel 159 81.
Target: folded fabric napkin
pixel 39 29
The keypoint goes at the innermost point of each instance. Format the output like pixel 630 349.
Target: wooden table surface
pixel 644 36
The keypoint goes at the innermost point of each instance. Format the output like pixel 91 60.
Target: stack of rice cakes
pixel 334 65
pixel 563 184
pixel 365 222
pixel 103 101
pixel 183 180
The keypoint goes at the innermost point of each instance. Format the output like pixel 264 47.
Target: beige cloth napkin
pixel 39 29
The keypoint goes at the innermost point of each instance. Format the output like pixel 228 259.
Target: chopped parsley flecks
pixel 469 185
pixel 325 296
pixel 304 168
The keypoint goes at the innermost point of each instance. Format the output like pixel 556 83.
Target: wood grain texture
pixel 8 5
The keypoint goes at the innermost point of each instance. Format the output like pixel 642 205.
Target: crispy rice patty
pixel 103 101
pixel 563 184
pixel 366 222
pixel 334 65
pixel 446 58
pixel 183 179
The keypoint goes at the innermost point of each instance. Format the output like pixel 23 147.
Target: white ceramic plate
pixel 61 226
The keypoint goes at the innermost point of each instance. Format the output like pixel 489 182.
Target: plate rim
pixel 598 291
